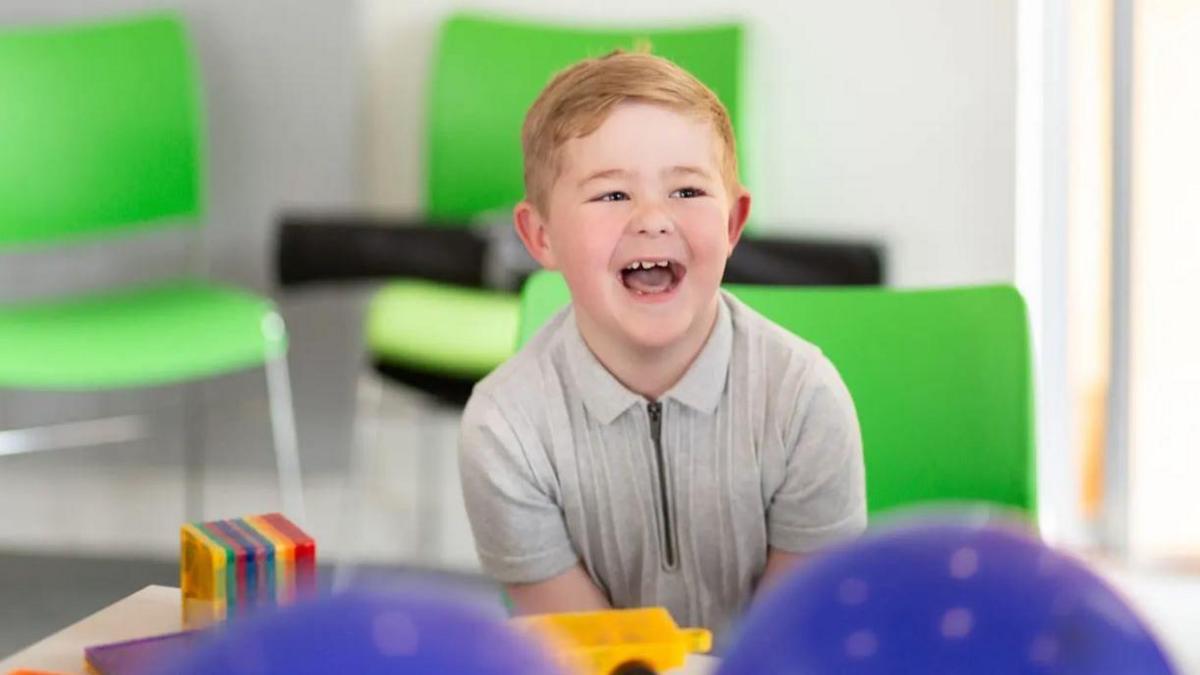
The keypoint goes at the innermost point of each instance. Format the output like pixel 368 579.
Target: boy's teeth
pixel 646 264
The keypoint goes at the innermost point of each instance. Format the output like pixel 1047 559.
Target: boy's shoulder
pixel 520 377
pixel 772 359
pixel 752 330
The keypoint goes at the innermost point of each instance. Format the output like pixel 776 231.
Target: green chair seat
pixel 462 332
pixel 940 379
pixel 136 337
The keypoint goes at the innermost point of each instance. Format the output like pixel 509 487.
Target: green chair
pixel 486 73
pixel 940 379
pixel 103 142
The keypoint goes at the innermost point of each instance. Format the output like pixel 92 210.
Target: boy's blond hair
pixel 580 98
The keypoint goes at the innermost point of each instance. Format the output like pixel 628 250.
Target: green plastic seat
pixel 940 379
pixel 486 74
pixel 467 342
pixel 135 338
pixel 103 140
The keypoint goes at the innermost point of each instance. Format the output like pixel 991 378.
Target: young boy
pixel 657 442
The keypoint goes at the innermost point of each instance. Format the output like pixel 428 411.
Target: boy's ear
pixel 531 228
pixel 738 214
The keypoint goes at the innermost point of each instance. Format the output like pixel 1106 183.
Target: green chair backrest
pixel 488 72
pixel 99 130
pixel 940 379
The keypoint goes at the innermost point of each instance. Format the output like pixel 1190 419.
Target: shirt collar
pixel 700 387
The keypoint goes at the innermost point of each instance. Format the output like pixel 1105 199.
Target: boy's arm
pixel 571 591
pixel 779 563
pixel 518 526
pixel 822 497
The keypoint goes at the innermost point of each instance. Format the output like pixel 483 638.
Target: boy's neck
pixel 649 372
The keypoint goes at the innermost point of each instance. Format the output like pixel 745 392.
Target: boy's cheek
pixel 701 214
pixel 709 241
pixel 584 254
pixel 592 240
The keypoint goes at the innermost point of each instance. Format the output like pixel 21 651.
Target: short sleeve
pixel 520 534
pixel 822 497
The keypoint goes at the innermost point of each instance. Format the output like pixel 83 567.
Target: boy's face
pixel 644 190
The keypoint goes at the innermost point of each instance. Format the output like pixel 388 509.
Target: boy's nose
pixel 652 222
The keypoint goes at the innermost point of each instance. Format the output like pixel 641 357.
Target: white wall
pixel 1164 373
pixel 869 119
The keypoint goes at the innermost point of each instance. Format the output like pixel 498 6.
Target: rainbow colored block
pixel 230 567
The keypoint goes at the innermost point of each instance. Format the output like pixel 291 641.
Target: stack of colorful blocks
pixel 230 567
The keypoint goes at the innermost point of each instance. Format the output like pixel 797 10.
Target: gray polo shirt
pixel 672 503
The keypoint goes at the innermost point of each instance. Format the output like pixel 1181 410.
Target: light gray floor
pixel 43 593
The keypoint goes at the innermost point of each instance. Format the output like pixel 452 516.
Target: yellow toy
pixel 617 642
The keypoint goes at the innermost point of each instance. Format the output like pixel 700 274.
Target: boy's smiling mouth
pixel 652 276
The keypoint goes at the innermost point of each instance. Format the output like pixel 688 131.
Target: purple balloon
pixel 943 597
pixel 368 633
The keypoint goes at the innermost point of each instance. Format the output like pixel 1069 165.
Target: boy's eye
pixel 615 196
pixel 688 193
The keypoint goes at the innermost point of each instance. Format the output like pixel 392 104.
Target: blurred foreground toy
pixel 369 634
pixel 617 642
pixel 939 597
pixel 229 567
pixel 140 656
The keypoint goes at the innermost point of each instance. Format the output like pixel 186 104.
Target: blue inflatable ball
pixel 366 633
pixel 943 597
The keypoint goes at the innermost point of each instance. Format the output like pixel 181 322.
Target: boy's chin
pixel 655 336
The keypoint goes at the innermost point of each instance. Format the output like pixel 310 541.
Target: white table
pixel 151 611
pixel 154 610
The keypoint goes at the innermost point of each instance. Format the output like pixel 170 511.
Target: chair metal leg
pixel 368 413
pixel 429 485
pixel 194 420
pixel 106 431
pixel 283 431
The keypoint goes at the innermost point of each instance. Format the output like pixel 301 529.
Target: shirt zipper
pixel 654 410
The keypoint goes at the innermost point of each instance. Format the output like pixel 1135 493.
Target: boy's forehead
pixel 636 137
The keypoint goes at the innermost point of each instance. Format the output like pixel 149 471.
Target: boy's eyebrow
pixel 687 171
pixel 604 173
pixel 619 173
